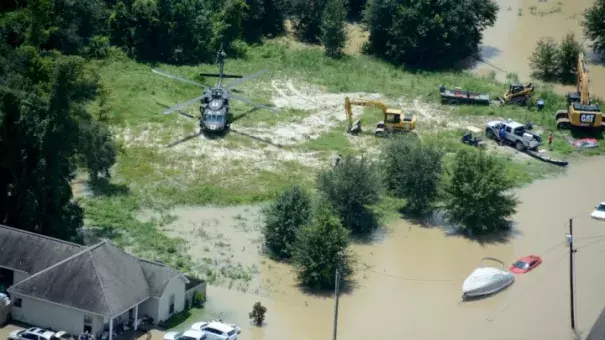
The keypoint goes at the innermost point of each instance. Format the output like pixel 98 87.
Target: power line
pixel 592 243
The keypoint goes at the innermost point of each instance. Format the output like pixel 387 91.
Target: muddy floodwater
pixel 521 23
pixel 410 278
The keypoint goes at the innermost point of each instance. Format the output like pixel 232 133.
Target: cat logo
pixel 587 119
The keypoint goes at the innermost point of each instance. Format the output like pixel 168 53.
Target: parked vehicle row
pixel 213 330
pixel 36 333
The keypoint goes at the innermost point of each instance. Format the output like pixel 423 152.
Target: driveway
pixel 5 331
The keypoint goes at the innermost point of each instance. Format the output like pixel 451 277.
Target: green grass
pixel 159 177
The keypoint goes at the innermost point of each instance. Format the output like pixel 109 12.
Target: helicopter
pixel 215 115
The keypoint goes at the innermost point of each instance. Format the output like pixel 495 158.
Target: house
pixel 597 332
pixel 62 285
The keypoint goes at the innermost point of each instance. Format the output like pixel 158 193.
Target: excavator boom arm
pixel 582 80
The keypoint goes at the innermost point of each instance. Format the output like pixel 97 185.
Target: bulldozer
pixel 517 94
pixel 580 112
pixel 394 120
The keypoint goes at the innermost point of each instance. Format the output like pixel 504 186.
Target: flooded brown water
pixel 412 286
pixel 509 44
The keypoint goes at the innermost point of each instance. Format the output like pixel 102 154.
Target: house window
pixel 171 307
pixel 17 302
pixel 87 323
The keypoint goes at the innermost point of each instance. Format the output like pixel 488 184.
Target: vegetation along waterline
pixel 265 153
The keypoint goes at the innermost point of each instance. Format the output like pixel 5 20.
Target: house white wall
pixel 175 287
pixel 49 315
pixel 150 307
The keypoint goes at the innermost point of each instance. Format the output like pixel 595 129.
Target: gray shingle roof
pixel 597 332
pixel 101 279
pixel 157 276
pixel 31 253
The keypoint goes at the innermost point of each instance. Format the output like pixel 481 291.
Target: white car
pixel 186 335
pixel 217 330
pixel 599 212
pixel 33 333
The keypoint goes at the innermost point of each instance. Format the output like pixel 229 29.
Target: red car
pixel 525 264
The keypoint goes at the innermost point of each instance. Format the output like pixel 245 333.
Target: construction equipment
pixel 580 112
pixel 460 96
pixel 518 94
pixel 393 120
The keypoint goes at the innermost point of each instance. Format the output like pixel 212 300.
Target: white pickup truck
pixel 515 134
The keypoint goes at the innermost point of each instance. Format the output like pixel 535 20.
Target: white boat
pixel 486 280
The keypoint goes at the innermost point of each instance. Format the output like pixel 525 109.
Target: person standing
pixel 550 140
pixel 502 135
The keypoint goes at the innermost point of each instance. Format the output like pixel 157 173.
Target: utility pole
pixel 571 275
pixel 336 295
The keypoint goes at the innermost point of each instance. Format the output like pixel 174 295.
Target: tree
pixel 594 26
pixel 350 188
pixel 568 58
pixel 42 106
pixel 478 197
pixel 274 17
pixel 424 34
pixel 307 16
pixel 413 171
pixel 544 60
pixel 320 249
pixel 333 34
pixel 258 314
pixel 290 211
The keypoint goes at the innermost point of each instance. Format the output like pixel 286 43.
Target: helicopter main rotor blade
pixel 244 78
pixel 248 101
pixel 182 105
pixel 190 137
pixel 166 74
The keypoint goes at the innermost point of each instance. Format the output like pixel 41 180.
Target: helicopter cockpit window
pixel 216 104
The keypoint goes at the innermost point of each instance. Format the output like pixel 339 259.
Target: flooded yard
pixel 409 279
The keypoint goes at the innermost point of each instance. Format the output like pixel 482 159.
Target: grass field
pixel 267 152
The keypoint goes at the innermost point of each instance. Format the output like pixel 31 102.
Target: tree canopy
pixel 428 33
pixel 594 26
pixel 44 127
pixel 479 196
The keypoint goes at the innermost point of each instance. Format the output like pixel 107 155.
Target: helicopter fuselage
pixel 214 111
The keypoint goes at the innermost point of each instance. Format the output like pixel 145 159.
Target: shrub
pixel 350 188
pixel 258 313
pixel 198 300
pixel 320 249
pixel 544 60
pixel 478 197
pixel 283 219
pixel 333 34
pixel 413 171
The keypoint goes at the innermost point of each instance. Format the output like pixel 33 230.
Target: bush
pixel 478 197
pixel 568 58
pixel 551 61
pixel 544 60
pixel 333 34
pixel 283 219
pixel 258 314
pixel 320 249
pixel 198 300
pixel 594 26
pixel 350 188
pixel 413 171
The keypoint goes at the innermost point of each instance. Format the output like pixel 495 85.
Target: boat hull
pixel 482 283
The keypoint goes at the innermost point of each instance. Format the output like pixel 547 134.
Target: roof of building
pixel 597 332
pixel 101 279
pixel 29 252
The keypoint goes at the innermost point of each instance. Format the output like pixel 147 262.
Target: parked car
pixel 62 335
pixel 217 330
pixel 33 333
pixel 525 264
pixel 186 335
pixel 599 212
pixel 198 326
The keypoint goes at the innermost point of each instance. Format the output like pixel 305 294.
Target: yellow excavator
pixel 393 120
pixel 580 112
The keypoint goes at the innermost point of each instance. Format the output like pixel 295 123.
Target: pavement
pixel 7 329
